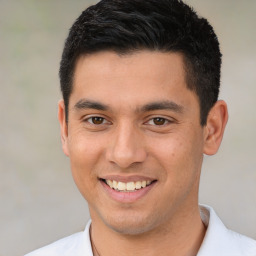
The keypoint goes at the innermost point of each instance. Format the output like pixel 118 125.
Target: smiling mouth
pixel 131 186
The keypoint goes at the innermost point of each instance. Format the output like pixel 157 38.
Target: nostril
pixel 126 157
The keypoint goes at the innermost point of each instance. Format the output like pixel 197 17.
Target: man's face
pixel 133 121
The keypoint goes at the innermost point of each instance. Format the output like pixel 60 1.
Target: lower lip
pixel 127 197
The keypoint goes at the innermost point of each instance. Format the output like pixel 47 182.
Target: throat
pixel 183 241
pixel 94 249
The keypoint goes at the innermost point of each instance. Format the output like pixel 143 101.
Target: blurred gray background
pixel 39 201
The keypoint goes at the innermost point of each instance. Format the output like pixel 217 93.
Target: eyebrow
pixel 163 105
pixel 89 104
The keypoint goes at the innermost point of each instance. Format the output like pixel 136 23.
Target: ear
pixel 215 126
pixel 63 127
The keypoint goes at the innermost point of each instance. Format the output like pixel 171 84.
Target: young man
pixel 140 83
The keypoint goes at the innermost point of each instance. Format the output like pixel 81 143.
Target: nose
pixel 126 147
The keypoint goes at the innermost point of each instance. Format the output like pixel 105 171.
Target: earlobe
pixel 63 127
pixel 215 126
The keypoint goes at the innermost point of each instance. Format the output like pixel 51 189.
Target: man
pixel 140 83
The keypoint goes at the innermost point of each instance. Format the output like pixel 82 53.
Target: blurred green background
pixel 39 201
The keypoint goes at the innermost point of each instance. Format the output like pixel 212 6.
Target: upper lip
pixel 126 179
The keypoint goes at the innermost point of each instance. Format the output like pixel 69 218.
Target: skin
pixel 127 142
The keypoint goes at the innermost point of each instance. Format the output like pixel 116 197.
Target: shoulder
pixel 77 244
pixel 64 246
pixel 221 241
pixel 244 244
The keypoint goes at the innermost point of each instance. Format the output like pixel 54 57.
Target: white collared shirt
pixel 218 241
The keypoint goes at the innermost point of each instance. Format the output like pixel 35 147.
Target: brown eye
pixel 96 120
pixel 159 121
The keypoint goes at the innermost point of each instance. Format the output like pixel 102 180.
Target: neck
pixel 182 238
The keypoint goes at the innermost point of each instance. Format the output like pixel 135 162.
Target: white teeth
pixel 114 184
pixel 121 186
pixel 138 184
pixel 129 186
pixel 110 183
pixel 143 183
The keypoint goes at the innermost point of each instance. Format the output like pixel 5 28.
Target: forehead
pixel 140 63
pixel 133 78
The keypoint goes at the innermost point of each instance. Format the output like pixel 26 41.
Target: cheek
pixel 180 156
pixel 84 154
pixel 84 148
pixel 171 150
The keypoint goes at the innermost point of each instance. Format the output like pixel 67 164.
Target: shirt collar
pixel 218 239
pixel 221 241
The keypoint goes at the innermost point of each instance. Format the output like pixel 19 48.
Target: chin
pixel 130 224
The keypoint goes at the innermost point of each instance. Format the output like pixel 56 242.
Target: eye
pixel 97 120
pixel 158 121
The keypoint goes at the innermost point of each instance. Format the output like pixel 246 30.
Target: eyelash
pixel 163 121
pixel 104 120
